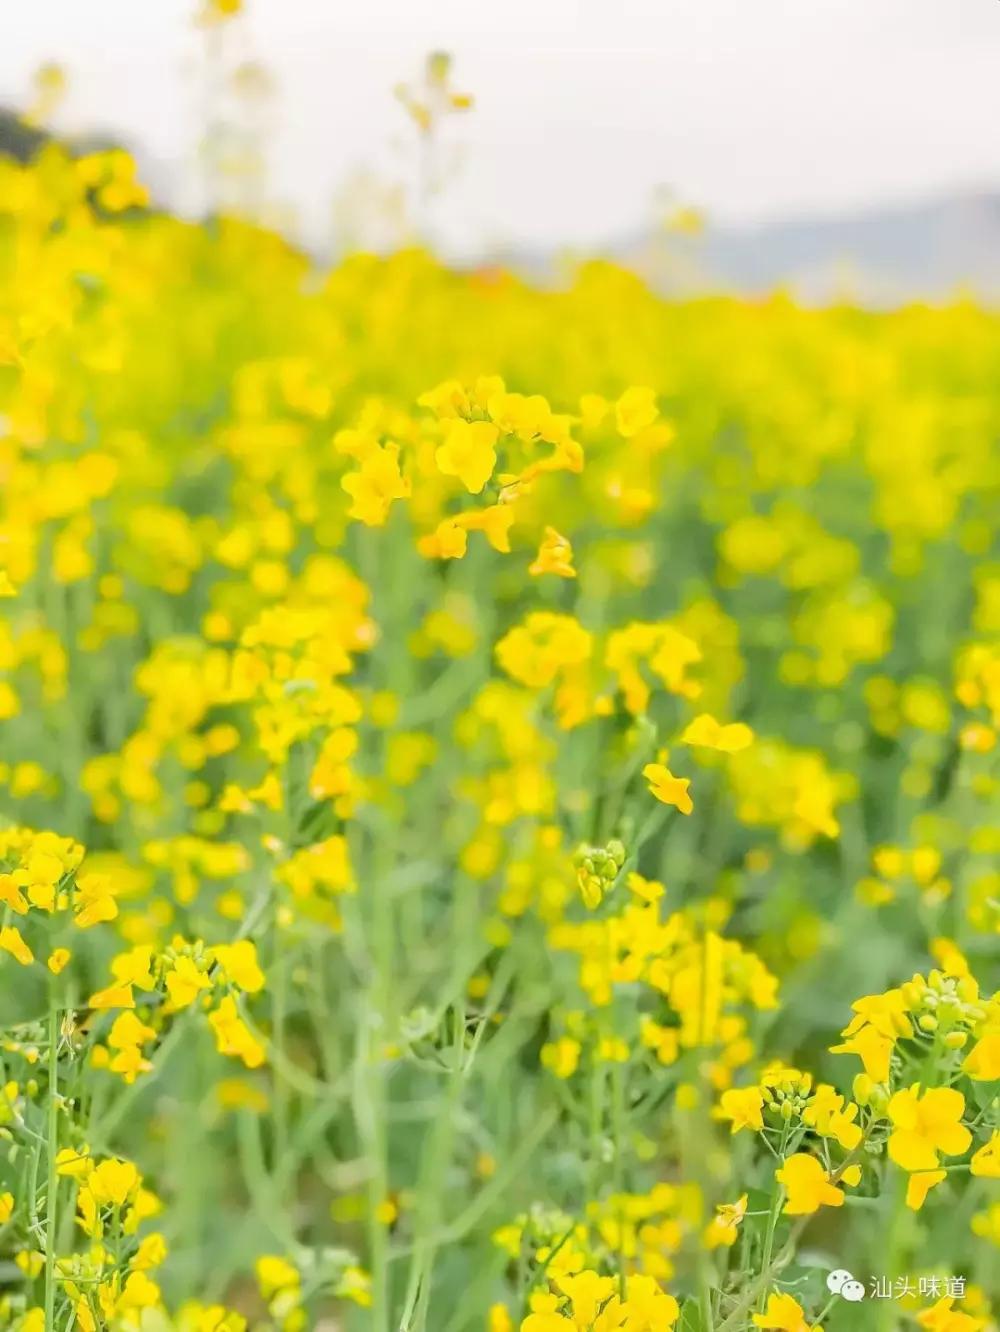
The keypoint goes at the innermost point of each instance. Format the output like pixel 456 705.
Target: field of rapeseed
pixel 498 794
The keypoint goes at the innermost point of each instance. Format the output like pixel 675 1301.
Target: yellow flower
pixel 469 453
pixel 724 1226
pixel 647 1307
pixel 219 11
pixel 11 895
pixel 6 1207
pixel 872 1048
pixel 879 1021
pixel 233 1037
pixel 115 996
pixel 828 1115
pixel 808 1185
pixel 987 1224
pixel 784 1313
pixel 74 1163
pixel 128 1030
pixel 139 1292
pixel 12 942
pixel 448 399
pixel 986 1162
pixel 134 967
pixel 94 901
pixel 494 521
pixel 239 965
pixel 111 1182
pixel 561 1056
pixel 184 982
pixel 375 485
pixel 499 1319
pixel 647 890
pixel 925 1125
pixel 943 1318
pixel 635 410
pixel 708 733
pixel 982 1063
pixel 920 1184
pixel 545 1316
pixel 535 652
pixel 594 1301
pixel 448 541
pixel 667 788
pixel 58 959
pixel 275 1274
pixel 555 556
pixel 744 1106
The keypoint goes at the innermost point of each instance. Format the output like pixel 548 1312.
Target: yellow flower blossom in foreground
pixel 785 1314
pixel 114 996
pixel 986 1161
pixel 595 1303
pixel 744 1107
pixel 920 1184
pixel 808 1185
pixel 983 1061
pixel 942 1317
pixel 111 1182
pixel 880 1020
pixel 469 452
pixel 926 1124
pixel 185 981
pixel 238 963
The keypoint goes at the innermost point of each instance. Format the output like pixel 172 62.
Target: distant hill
pixel 924 251
pixel 881 256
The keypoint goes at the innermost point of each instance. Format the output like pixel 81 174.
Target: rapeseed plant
pixel 497 793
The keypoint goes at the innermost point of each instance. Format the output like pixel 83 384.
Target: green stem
pixel 772 1222
pixel 53 1180
pixel 279 991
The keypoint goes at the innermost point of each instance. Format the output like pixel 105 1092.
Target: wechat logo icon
pixel 843 1284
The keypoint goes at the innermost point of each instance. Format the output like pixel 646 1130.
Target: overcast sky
pixel 747 108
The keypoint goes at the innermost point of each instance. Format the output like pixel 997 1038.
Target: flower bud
pixel 863 1087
